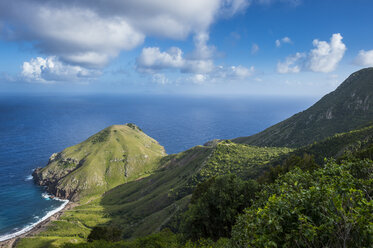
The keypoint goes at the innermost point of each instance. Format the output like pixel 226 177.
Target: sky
pixel 197 47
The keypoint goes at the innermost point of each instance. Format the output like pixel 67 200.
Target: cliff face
pixel 115 155
pixel 347 108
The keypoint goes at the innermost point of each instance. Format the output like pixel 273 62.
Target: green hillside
pixel 347 108
pixel 117 154
pixel 339 145
pixel 148 204
pixel 327 206
pixel 144 206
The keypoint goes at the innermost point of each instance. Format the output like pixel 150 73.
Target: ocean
pixel 34 127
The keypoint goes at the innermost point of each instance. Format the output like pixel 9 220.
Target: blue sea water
pixel 34 127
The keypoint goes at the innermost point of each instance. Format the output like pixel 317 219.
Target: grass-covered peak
pixel 113 156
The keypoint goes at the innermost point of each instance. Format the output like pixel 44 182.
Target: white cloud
pixel 90 33
pixel 254 48
pixel 291 64
pixel 364 58
pixel 199 78
pixel 152 59
pixel 285 40
pixel 160 78
pixel 198 66
pixel 242 72
pixel 202 50
pixel 50 69
pixel 326 56
pixel 278 43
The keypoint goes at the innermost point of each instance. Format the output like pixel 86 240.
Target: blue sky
pixel 215 47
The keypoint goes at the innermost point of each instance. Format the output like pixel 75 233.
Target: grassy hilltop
pixel 116 155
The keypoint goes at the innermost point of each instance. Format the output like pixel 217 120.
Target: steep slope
pixel 116 155
pixel 339 145
pixel 349 107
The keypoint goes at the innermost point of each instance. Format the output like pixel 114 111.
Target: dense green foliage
pixel 306 162
pixel 339 145
pixel 108 233
pixel 328 207
pixel 347 108
pixel 215 205
pixel 243 160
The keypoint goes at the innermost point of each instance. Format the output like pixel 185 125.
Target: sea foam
pixel 28 178
pixel 31 226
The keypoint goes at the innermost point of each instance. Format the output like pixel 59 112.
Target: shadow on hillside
pixel 144 206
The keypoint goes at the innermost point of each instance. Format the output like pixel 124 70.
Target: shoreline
pixel 37 228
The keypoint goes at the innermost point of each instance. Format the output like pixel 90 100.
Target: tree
pixel 328 207
pixel 105 233
pixel 215 205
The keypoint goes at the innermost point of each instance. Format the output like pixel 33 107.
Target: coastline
pixel 37 228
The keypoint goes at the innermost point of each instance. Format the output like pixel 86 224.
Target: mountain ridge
pixel 348 107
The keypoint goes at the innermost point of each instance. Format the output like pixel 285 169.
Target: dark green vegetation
pixel 215 205
pixel 328 207
pixel 347 108
pixel 227 194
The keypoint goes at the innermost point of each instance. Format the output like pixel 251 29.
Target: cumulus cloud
pixel 285 40
pixel 222 74
pixel 325 57
pixel 152 59
pixel 291 64
pixel 241 71
pixel 89 33
pixel 202 50
pixel 364 58
pixel 50 69
pixel 198 78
